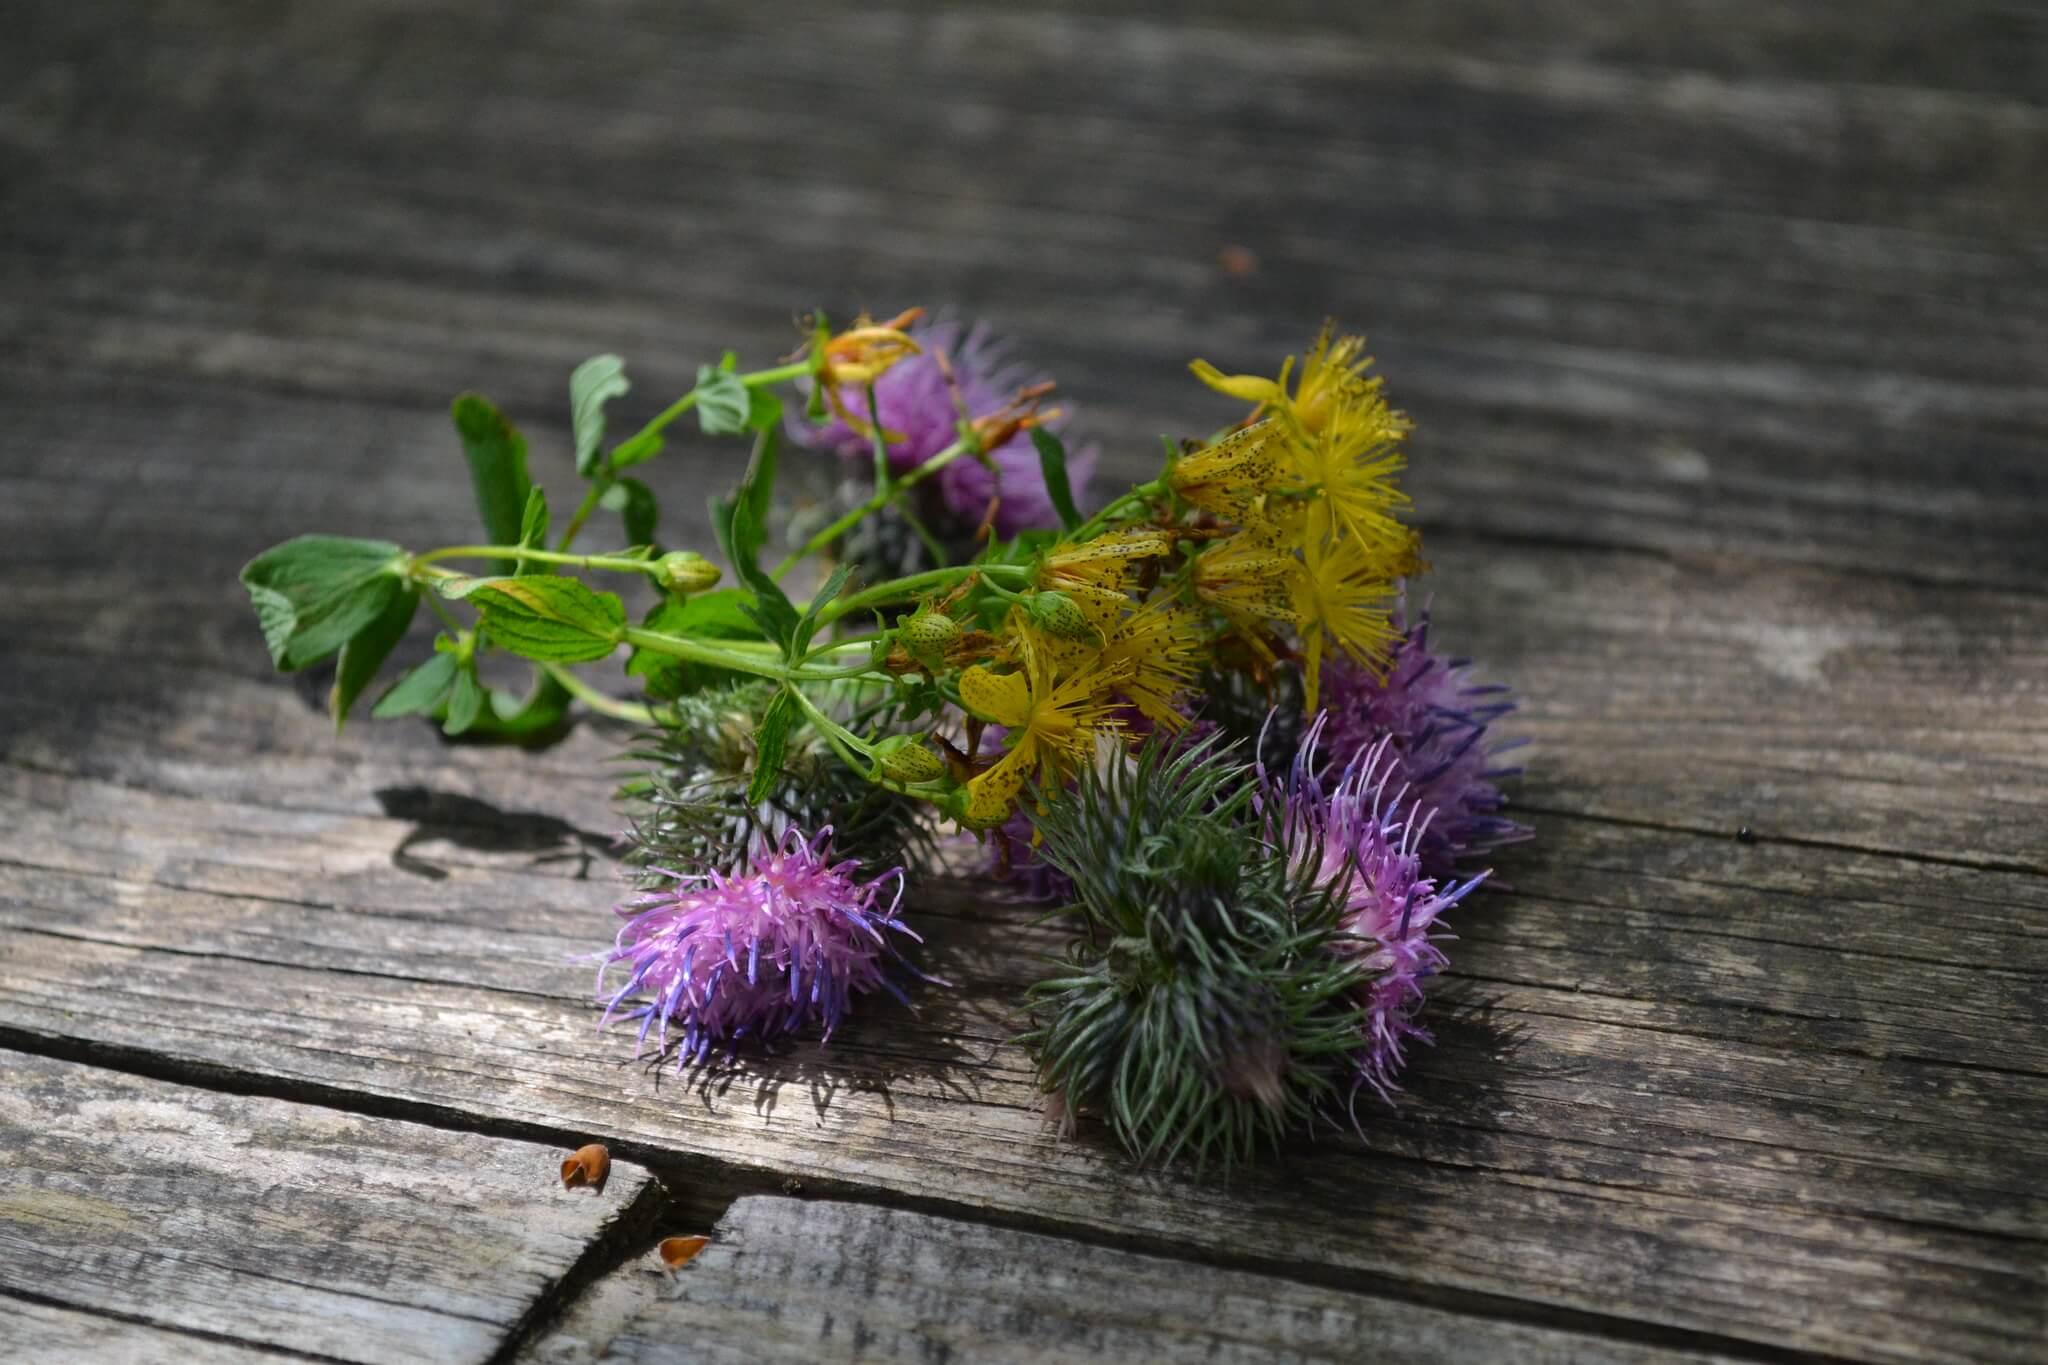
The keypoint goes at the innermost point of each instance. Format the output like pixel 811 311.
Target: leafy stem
pixel 1143 493
pixel 884 493
pixel 698 652
pixel 842 738
pixel 602 482
pixel 611 563
pixel 899 589
pixel 600 702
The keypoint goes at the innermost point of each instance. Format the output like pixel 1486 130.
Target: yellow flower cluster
pixel 1284 533
pixel 1073 681
pixel 1307 489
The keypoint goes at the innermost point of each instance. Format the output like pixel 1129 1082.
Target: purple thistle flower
pixel 1435 721
pixel 788 940
pixel 1364 840
pixel 916 403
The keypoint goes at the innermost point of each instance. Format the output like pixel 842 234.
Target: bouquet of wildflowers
pixel 1196 714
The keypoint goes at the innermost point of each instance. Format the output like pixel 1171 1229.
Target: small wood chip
pixel 587 1166
pixel 677 1252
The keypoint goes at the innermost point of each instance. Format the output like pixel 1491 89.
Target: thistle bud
pixel 685 571
pixel 929 633
pixel 909 761
pixel 1060 616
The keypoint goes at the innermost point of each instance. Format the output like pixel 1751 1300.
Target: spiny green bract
pixel 691 809
pixel 1202 1012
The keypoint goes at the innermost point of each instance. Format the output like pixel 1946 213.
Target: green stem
pixel 678 647
pixel 841 737
pixel 875 502
pixel 613 563
pixel 598 488
pixel 605 479
pixel 598 701
pixel 796 369
pixel 1144 492
pixel 433 600
pixel 851 642
pixel 898 589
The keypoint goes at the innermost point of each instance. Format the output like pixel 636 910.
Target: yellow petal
pixel 1004 698
pixel 1250 387
pixel 991 794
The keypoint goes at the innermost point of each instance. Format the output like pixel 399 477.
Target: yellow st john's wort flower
pixel 1161 646
pixel 1351 470
pixel 1228 478
pixel 1052 724
pixel 1248 578
pixel 1340 595
pixel 1332 388
pixel 1097 573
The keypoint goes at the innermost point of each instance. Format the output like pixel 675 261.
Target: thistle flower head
pixel 1436 721
pixel 691 807
pixel 1352 834
pixel 1202 1010
pixel 787 941
pixel 920 400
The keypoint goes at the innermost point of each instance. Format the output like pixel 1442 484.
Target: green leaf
pixel 533 526
pixel 497 468
pixel 717 615
pixel 515 717
pixel 366 652
pixel 771 745
pixel 644 446
pixel 313 594
pixel 635 504
pixel 808 626
pixel 722 402
pixel 420 690
pixel 464 703
pixel 596 382
pixel 1052 462
pixel 764 409
pixel 541 616
pixel 741 522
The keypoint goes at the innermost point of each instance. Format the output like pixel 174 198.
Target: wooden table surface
pixel 1725 326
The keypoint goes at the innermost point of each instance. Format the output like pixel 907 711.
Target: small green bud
pixel 909 761
pixel 1059 615
pixel 928 633
pixel 686 571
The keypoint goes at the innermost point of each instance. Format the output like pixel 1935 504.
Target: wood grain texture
pixel 1723 323
pixel 157 1221
pixel 796 1280
pixel 41 1331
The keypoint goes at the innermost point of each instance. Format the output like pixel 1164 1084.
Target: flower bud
pixel 910 762
pixel 685 571
pixel 1061 616
pixel 929 633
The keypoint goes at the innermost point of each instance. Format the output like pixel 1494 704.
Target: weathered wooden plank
pixel 797 1280
pixel 40 1331
pixel 1568 253
pixel 1784 267
pixel 144 1220
pixel 1693 1084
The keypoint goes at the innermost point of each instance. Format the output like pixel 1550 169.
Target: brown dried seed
pixel 677 1252
pixel 587 1166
